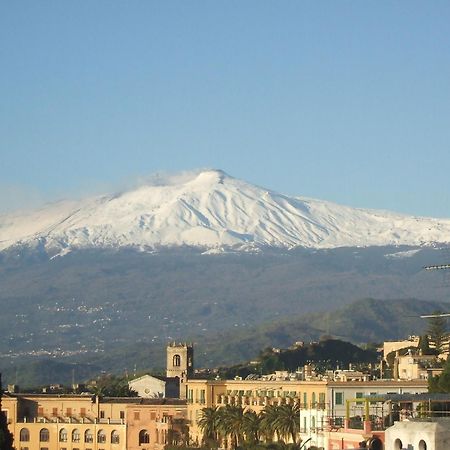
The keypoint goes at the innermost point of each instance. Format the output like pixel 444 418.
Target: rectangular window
pixel 69 412
pixel 202 396
pixel 40 411
pixel 373 394
pixel 152 416
pixel 322 398
pixel 359 395
pixel 54 412
pixel 83 412
pixel 304 424
pixel 122 414
pixel 137 416
pixel 339 398
pixel 305 399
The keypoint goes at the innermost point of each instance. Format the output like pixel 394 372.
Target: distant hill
pixel 367 320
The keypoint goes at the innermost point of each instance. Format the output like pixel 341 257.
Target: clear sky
pixel 347 101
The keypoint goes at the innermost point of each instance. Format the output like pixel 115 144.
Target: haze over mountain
pixel 214 211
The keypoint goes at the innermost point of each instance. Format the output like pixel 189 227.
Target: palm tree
pixel 230 423
pixel 209 424
pixel 251 423
pixel 288 421
pixel 269 417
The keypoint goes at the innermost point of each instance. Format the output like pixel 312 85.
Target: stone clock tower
pixel 180 364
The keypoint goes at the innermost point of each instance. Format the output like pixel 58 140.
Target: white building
pixel 149 386
pixel 427 434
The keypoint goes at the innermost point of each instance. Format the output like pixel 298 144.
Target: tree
pixel 424 345
pixel 288 421
pixel 269 418
pixel 113 386
pixel 437 331
pixel 209 424
pixel 6 437
pixel 251 426
pixel 231 420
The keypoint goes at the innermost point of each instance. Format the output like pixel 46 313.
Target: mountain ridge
pixel 214 212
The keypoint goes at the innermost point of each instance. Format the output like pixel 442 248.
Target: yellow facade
pixel 52 422
pixel 255 395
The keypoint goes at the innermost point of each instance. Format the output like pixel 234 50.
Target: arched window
pixel 44 435
pixel 88 436
pixel 101 437
pixel 376 444
pixel 62 435
pixel 422 445
pixel 24 435
pixel 144 437
pixel 76 435
pixel 398 444
pixel 177 361
pixel 115 438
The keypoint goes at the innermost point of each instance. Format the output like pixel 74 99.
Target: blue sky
pixel 346 101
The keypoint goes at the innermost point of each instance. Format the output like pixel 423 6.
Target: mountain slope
pixel 212 210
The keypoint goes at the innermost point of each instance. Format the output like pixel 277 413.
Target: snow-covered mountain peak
pixel 212 210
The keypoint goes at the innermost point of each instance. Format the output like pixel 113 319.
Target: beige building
pixel 77 422
pixel 255 395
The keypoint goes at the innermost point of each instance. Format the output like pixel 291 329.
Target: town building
pixel 80 422
pixel 149 386
pixel 427 434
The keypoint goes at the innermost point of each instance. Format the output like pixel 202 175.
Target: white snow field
pixel 215 211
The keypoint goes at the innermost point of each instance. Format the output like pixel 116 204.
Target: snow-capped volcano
pixel 213 210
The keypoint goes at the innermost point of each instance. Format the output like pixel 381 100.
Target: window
pixel 24 435
pixel 202 395
pixel 40 411
pixel 102 414
pixel 305 398
pixel 313 399
pixel 122 414
pixel 422 445
pixel 177 361
pixel 54 412
pixel 101 437
pixel 313 422
pixel 115 439
pixel 398 444
pixel 339 398
pixel 88 436
pixel 137 416
pixel 83 412
pixel 44 435
pixel 144 437
pixel 68 412
pixel 23 448
pixel 359 395
pixel 304 424
pixel 62 435
pixel 75 435
pixel 322 399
